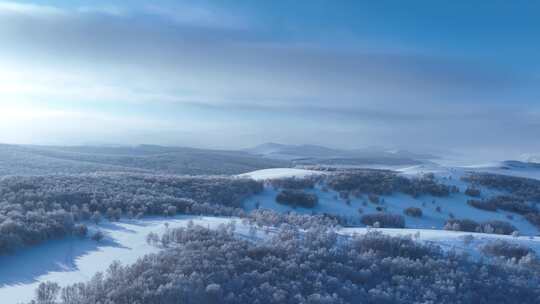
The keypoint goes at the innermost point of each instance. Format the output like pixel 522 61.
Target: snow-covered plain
pixel 71 260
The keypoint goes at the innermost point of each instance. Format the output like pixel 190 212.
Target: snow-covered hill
pixel 436 210
pixel 265 174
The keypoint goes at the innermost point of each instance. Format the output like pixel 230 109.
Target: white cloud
pixel 36 10
pixel 199 16
pixel 154 60
pixel 29 9
pixel 41 124
pixel 106 10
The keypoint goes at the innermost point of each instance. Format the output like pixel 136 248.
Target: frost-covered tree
pixel 310 266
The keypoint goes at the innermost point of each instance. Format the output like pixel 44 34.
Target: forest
pixel 43 160
pixel 213 266
pixel 38 208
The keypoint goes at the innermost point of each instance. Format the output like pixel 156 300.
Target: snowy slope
pixel 329 202
pixel 450 240
pixel 504 168
pixel 279 173
pixel 455 204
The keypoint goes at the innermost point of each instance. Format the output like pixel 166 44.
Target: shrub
pixel 98 236
pixel 483 205
pixel 413 211
pixel 293 183
pixel 522 187
pixel 80 230
pixel 419 186
pixel 388 246
pixel 385 220
pixel 504 202
pixel 297 198
pixel 462 225
pixel 533 218
pixel 364 181
pixel 500 248
pixel 471 191
pixel 374 198
pixel 512 204
pixel 496 227
pixel 499 227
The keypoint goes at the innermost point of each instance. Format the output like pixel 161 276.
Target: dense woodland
pixel 383 182
pixel 213 266
pixel 297 198
pixel 43 160
pixel 37 208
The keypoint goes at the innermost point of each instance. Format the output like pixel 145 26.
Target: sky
pixel 418 75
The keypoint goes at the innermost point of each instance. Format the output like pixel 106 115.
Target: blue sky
pixel 456 75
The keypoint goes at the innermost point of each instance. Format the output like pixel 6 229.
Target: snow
pixel 279 173
pixel 455 204
pixel 533 173
pixel 460 170
pixel 450 240
pixel 71 260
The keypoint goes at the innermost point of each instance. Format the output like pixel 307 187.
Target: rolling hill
pixel 32 160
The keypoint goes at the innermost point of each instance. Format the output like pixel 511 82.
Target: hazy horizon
pixel 422 76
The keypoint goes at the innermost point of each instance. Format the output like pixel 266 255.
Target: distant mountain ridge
pixel 324 155
pixel 272 149
pixel 531 158
pixel 521 164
